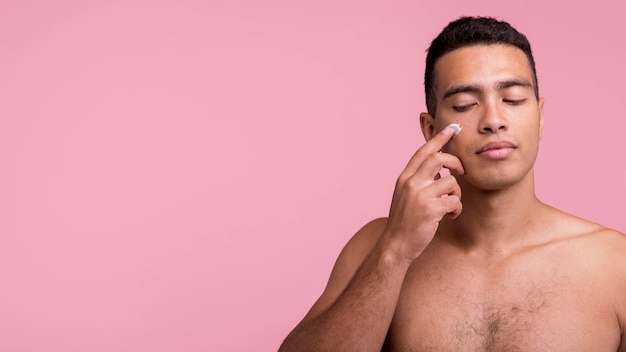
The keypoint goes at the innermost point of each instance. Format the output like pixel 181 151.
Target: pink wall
pixel 180 175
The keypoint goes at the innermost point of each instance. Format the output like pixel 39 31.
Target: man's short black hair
pixel 467 31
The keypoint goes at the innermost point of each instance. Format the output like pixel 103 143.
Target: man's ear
pixel 428 127
pixel 541 100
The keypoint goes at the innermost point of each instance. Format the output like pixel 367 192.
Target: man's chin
pixel 489 183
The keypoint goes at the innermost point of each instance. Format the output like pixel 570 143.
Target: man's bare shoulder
pixel 585 245
pixel 612 238
pixel 349 260
pixel 577 228
pixel 364 240
pixel 567 226
pixel 602 252
pixel 608 246
pixel 594 243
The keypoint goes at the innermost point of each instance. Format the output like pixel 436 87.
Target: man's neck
pixel 496 221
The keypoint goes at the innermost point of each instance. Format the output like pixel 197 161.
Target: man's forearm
pixel 360 317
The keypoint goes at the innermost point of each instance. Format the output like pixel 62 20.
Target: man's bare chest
pixel 537 306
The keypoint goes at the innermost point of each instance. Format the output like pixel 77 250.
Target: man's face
pixel 488 90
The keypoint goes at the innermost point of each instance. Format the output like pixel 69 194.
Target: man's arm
pixel 620 264
pixel 356 309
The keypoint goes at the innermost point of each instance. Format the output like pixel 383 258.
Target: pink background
pixel 180 175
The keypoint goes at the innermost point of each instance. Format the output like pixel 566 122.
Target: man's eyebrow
pixel 461 89
pixel 513 83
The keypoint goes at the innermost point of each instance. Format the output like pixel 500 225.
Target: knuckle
pixel 454 199
pixel 413 185
pixel 421 152
pixel 438 159
pixel 402 179
pixel 449 179
pixel 435 156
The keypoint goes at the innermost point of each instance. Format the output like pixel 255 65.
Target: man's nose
pixel 493 119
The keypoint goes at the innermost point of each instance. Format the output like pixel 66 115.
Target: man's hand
pixel 422 197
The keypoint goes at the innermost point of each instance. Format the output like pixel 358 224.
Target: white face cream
pixel 456 127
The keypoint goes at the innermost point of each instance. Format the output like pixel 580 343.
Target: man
pixel 473 261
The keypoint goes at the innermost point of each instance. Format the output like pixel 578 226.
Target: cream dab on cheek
pixel 456 127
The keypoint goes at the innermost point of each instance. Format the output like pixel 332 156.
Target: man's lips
pixel 496 150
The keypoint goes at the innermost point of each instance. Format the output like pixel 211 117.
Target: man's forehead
pixel 482 64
